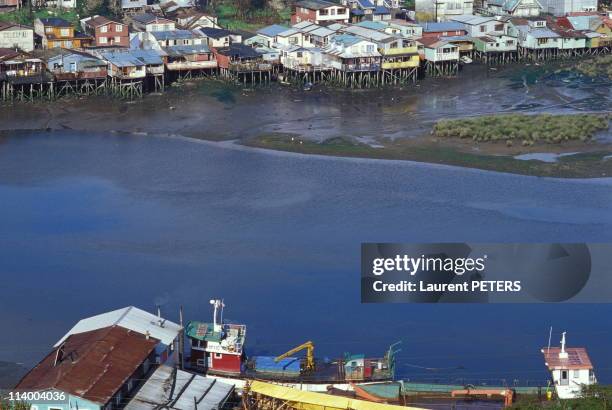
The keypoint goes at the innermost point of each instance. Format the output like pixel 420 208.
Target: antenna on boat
pixel 549 338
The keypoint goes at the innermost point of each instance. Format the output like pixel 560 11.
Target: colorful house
pixel 397 52
pixel 94 370
pixel 444 29
pixel 16 64
pixel 319 12
pixel 350 53
pixel 57 32
pixel 71 65
pixel 106 32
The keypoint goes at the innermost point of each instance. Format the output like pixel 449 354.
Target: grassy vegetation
pixel 594 398
pixel 526 129
pixel 23 16
pixel 596 67
pixel 254 18
pixel 585 165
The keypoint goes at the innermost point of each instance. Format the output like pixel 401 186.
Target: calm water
pixel 96 222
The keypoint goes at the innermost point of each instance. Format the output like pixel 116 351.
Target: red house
pixel 319 12
pixel 106 32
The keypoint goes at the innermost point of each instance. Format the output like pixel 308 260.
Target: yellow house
pixel 59 33
pixel 599 34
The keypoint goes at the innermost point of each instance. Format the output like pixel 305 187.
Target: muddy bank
pixel 217 111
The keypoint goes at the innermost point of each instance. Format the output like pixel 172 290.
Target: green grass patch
pixel 596 67
pixel 524 129
pixel 589 165
pixel 23 16
pixel 596 397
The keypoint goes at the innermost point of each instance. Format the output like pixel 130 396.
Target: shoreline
pixel 389 124
pixel 594 162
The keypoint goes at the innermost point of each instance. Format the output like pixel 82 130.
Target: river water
pixel 97 221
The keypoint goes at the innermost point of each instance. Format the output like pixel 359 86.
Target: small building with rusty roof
pixel 133 318
pixel 95 370
pixel 570 367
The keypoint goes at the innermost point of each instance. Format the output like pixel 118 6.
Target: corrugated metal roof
pixel 315 4
pixel 430 27
pixel 130 317
pixel 158 392
pixel 174 35
pixel 92 365
pixel 177 51
pixel 273 30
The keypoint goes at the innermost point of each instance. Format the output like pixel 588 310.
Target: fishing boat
pixel 216 349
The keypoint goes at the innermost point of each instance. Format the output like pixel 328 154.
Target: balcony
pixel 360 67
pixel 250 66
pixel 399 51
pixel 191 65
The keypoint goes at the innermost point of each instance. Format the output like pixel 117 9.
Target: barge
pixel 216 349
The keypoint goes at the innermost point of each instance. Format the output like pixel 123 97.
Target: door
pixel 564 381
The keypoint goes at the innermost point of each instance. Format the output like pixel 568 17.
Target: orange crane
pixel 309 347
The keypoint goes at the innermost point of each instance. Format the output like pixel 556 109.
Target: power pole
pixel 181 340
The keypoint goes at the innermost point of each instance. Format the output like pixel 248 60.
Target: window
pixel 67 44
pixel 323 12
pixel 542 41
pixel 65 32
pixel 332 12
pixel 218 356
pixel 103 29
pixel 117 39
pixel 576 374
pixel 300 54
pixel 483 29
pixel 499 27
pixel 103 40
pixel 118 28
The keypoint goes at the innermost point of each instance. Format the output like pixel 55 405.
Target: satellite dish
pixel 212 301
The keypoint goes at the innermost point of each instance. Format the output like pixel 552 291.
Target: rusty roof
pixel 93 365
pixel 98 21
pixel 578 358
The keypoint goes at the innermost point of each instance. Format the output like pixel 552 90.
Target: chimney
pixel 147 334
pixel 158 311
pixel 563 354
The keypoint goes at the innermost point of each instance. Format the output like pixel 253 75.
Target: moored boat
pixel 216 349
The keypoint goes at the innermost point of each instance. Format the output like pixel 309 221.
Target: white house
pixel 136 320
pixel 150 22
pixel 515 8
pixel 571 369
pixel 442 10
pixel 563 7
pixel 14 35
pixel 477 26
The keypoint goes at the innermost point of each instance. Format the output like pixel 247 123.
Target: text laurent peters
pixel 475 286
